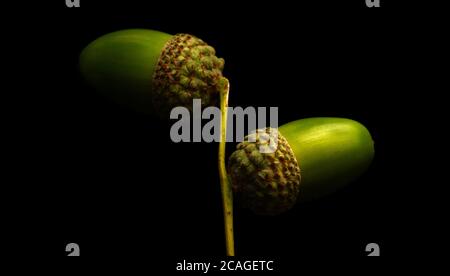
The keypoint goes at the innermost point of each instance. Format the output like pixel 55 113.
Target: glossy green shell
pixel 331 152
pixel 122 64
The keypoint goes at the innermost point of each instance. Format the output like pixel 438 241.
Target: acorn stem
pixel 227 194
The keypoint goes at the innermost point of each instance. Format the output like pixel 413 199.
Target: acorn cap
pixel 268 183
pixel 153 71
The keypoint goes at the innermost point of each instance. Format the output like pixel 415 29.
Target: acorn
pixel 152 71
pixel 312 158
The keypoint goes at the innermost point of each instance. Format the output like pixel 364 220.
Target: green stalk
pixel 227 194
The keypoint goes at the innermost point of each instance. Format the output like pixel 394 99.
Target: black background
pixel 86 170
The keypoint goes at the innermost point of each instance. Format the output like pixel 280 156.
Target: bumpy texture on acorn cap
pixel 187 69
pixel 268 182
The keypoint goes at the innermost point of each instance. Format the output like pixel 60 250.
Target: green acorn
pixel 153 71
pixel 313 157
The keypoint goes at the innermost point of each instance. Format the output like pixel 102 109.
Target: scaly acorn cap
pixel 153 71
pixel 267 182
pixel 314 158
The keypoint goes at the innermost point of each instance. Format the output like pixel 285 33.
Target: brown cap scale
pixel 187 69
pixel 268 183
